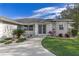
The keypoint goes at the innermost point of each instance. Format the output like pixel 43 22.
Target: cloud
pixel 45 10
pixel 46 13
pixel 59 10
pixel 42 12
pixel 71 5
pixel 50 17
pixel 56 12
pixel 35 16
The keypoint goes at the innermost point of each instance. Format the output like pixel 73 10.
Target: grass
pixel 9 40
pixel 6 41
pixel 2 41
pixel 62 46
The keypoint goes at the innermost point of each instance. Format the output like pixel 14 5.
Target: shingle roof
pixel 33 20
pixel 5 19
pixel 57 20
pixel 30 20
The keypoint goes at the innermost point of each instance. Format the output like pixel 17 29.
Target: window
pixel 44 29
pixel 61 27
pixel 30 27
pixel 40 29
pixel 26 27
pixel 19 27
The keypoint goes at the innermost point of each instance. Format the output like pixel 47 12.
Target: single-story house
pixel 34 26
pixel 39 27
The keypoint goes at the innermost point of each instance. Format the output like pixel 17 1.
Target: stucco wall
pixel 8 29
pixel 48 28
pixel 51 26
pixel 1 29
pixel 65 30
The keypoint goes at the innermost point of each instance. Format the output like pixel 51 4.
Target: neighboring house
pixel 34 26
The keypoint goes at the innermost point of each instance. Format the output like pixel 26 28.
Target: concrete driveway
pixel 31 47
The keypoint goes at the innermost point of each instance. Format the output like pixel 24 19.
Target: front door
pixel 42 29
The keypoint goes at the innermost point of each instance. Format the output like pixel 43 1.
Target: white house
pixel 44 26
pixel 34 26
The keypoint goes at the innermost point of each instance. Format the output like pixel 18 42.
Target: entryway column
pixel 49 28
pixel 36 29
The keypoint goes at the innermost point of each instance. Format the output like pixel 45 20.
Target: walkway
pixel 31 47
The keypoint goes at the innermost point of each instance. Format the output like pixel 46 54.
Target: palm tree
pixel 18 33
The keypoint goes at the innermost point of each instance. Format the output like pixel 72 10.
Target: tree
pixel 18 33
pixel 72 14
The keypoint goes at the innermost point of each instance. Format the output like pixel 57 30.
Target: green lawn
pixel 62 46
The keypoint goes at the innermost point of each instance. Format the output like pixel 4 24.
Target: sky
pixel 31 10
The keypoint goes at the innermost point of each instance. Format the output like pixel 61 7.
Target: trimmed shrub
pixel 8 42
pixel 7 38
pixel 67 35
pixel 74 32
pixel 21 40
pixel 60 35
pixel 50 32
pixel 2 41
